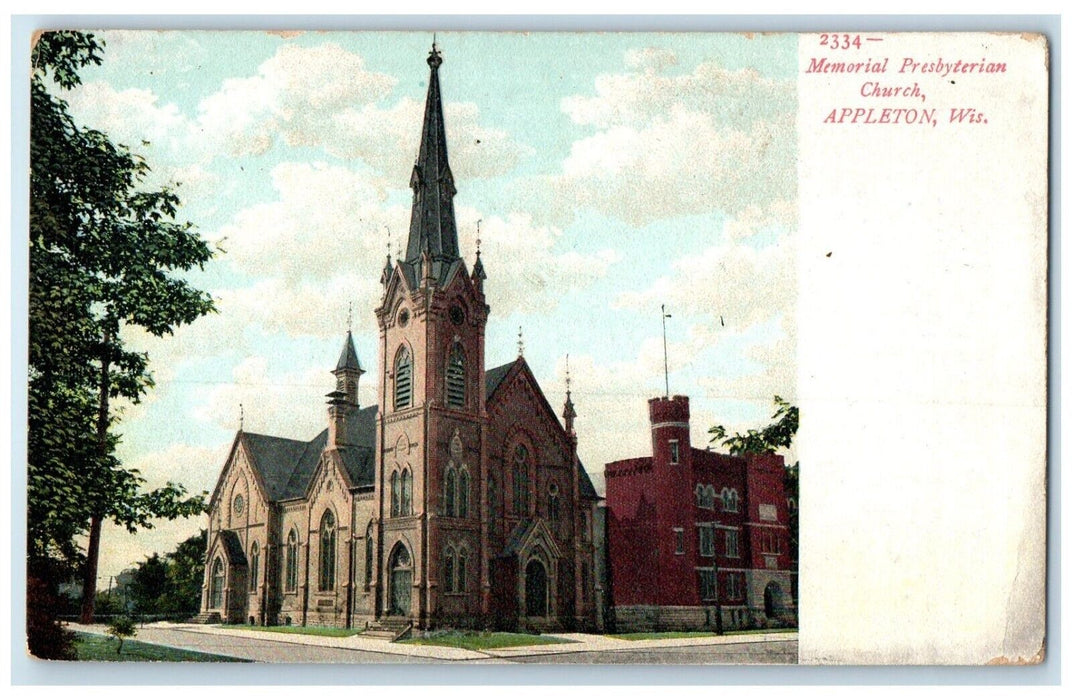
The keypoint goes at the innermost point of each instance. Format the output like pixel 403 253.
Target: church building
pixel 458 501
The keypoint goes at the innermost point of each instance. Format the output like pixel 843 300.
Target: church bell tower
pixel 430 465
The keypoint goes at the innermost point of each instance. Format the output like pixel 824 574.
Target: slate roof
pixel 517 537
pixel 493 378
pixel 286 466
pixel 348 358
pixel 233 545
pixel 432 225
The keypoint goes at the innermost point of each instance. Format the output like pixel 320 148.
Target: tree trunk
pixel 89 579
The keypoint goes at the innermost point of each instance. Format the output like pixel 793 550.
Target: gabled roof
pixel 286 466
pixel 232 548
pixel 494 378
pixel 524 533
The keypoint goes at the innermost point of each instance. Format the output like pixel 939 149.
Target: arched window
pixel 254 565
pixel 521 455
pixel 396 497
pixel 449 488
pixel 448 570
pixel 463 493
pixel 292 561
pixel 327 552
pixel 552 503
pixel 368 555
pixel 729 500
pixel 709 496
pixel 456 377
pixel 407 492
pixel 699 496
pixel 460 574
pixel 215 590
pixel 403 379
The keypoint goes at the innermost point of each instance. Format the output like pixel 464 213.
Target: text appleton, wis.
pixel 922 70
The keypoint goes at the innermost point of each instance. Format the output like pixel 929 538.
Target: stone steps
pixel 206 618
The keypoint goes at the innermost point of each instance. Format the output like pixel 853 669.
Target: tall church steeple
pixel 432 226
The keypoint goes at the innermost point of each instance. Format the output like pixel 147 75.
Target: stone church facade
pixel 458 501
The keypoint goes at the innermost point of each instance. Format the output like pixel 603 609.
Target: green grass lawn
pixel 94 647
pixel 633 636
pixel 284 629
pixel 476 641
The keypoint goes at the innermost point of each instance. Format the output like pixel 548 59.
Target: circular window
pixel 403 317
pixel 239 504
pixel 457 316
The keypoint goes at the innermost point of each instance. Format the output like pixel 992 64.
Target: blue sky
pixel 611 173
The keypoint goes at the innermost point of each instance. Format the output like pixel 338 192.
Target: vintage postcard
pixel 474 347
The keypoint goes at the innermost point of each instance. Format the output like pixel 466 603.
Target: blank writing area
pixel 922 331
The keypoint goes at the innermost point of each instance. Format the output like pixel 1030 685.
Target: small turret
pixel 343 400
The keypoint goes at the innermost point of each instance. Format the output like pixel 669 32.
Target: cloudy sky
pixel 611 173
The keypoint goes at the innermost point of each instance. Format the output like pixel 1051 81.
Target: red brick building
pixel 458 501
pixel 692 533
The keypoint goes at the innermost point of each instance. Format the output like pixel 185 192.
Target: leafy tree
pixel 121 628
pixel 778 435
pixel 170 585
pixel 104 253
pixel 775 436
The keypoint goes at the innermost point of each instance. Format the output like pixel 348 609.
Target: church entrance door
pixel 401 588
pixel 535 589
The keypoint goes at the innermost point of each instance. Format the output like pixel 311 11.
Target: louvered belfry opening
pixel 456 378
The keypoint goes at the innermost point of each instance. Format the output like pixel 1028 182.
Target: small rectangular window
pixel 707 541
pixel 731 543
pixel 708 585
pixel 675 454
pixel 679 539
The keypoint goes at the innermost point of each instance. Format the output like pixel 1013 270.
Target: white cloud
pixel 292 96
pixel 525 272
pixel 729 283
pixel 670 145
pixel 286 402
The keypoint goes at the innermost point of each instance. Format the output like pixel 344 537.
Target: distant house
pixel 692 534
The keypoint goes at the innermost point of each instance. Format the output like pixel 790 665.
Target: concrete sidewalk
pixel 578 642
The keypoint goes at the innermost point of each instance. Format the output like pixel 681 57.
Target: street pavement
pixel 256 645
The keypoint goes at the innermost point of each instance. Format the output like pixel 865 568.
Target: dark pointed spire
pixel 478 269
pixel 432 225
pixel 348 358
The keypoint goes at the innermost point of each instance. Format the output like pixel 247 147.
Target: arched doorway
pixel 401 588
pixel 773 600
pixel 535 589
pixel 215 585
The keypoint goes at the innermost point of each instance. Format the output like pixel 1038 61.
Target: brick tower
pixel 431 419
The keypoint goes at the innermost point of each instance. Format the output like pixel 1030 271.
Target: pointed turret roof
pixel 348 358
pixel 432 226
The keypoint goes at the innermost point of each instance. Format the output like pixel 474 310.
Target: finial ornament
pixel 350 317
pixel 520 343
pixel 241 417
pixel 388 242
pixel 567 376
pixel 435 58
pixel 478 237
